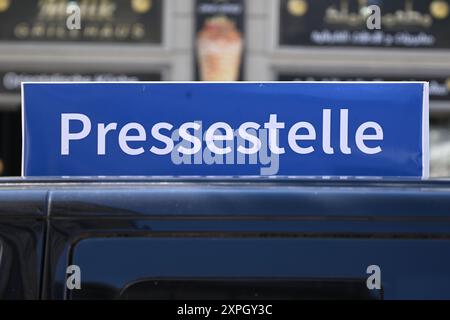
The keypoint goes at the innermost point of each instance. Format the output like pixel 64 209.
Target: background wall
pixel 264 59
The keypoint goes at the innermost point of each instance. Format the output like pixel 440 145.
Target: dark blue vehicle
pixel 225 239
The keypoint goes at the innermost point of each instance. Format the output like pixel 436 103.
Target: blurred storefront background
pixel 224 40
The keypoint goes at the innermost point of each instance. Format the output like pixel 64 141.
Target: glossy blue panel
pixel 62 135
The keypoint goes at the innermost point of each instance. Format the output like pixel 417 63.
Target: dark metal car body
pixel 224 238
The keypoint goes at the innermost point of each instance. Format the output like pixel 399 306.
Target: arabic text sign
pixel 225 129
pixel 404 23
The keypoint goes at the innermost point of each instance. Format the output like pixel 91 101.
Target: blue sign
pixel 225 129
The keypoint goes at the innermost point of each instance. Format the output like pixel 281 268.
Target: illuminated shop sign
pixel 134 21
pixel 404 23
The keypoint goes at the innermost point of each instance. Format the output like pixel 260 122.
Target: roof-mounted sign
pixel 225 129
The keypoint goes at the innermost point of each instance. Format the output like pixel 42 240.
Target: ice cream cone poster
pixel 219 40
